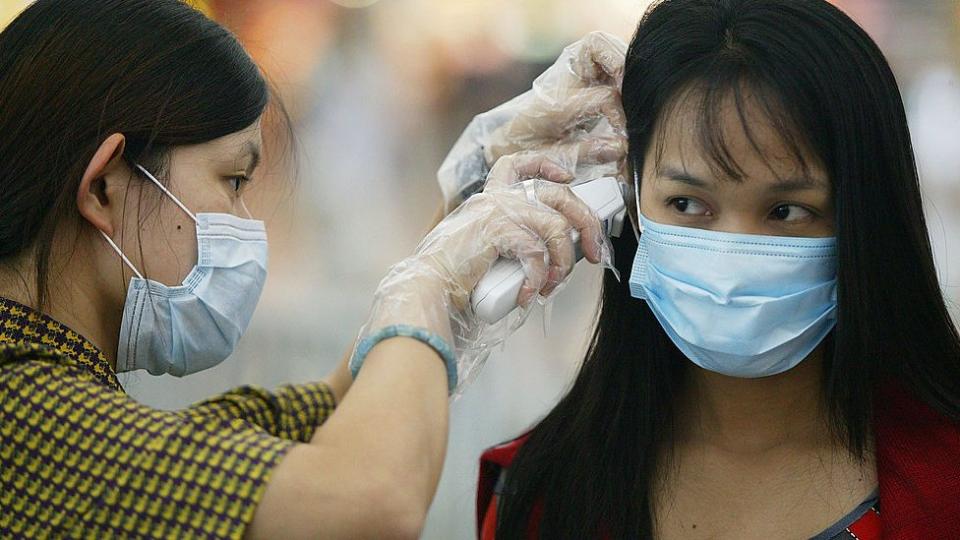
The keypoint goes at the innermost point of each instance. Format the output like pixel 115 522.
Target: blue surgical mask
pixel 742 305
pixel 195 325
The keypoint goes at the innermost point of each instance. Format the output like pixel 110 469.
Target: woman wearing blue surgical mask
pixel 129 130
pixel 780 362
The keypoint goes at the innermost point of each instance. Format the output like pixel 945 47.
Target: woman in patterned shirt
pixel 128 131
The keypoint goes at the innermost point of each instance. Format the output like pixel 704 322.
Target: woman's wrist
pixel 441 346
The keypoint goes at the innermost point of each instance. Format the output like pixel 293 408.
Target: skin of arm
pixel 372 469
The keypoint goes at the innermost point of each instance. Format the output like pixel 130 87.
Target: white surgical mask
pixel 193 326
pixel 742 305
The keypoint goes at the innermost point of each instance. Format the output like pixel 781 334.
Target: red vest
pixel 918 468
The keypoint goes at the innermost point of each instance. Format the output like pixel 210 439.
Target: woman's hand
pixel 573 115
pixel 527 214
pixel 582 87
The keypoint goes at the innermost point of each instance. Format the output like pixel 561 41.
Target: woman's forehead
pixel 237 150
pixel 730 136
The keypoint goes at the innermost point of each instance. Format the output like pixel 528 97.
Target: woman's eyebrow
pixel 797 183
pixel 683 177
pixel 251 149
pixel 782 185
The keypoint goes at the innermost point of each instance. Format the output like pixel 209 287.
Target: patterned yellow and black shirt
pixel 81 459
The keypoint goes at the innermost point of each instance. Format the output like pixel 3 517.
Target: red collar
pixel 918 467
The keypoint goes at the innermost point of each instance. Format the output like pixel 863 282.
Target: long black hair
pixel 824 82
pixel 72 72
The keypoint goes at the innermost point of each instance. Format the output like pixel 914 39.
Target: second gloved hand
pixel 572 113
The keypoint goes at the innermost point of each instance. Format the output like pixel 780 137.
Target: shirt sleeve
pixel 80 459
pixel 292 412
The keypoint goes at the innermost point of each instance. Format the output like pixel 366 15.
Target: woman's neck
pixel 750 416
pixel 77 300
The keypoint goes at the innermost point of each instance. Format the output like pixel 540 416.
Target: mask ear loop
pixel 245 209
pixel 636 196
pixel 635 223
pixel 165 190
pixel 120 253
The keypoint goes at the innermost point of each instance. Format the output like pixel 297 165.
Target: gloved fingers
pixel 576 212
pixel 504 222
pixel 601 149
pixel 590 156
pixel 458 246
pixel 521 243
pixel 559 268
pixel 551 121
pixel 573 152
pixel 462 269
pixel 524 166
pixel 599 58
pixel 588 150
pixel 550 226
pixel 521 166
pixel 589 104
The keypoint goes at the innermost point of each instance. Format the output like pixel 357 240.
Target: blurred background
pixel 378 91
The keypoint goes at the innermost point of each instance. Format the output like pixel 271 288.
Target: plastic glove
pixel 573 115
pixel 528 215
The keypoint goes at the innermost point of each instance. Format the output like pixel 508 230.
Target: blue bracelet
pixel 436 342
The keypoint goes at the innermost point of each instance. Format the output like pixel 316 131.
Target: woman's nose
pixel 739 224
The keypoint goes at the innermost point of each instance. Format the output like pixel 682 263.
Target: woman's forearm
pixel 371 470
pixel 396 414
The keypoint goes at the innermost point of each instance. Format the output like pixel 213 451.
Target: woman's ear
pixel 92 200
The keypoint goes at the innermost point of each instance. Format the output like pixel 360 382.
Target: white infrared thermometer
pixel 495 295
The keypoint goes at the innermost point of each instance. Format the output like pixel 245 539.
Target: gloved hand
pixel 528 214
pixel 573 115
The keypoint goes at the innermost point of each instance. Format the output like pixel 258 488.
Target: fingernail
pixel 553 275
pixel 524 297
pixel 608 151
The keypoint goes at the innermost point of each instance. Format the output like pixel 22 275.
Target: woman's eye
pixel 688 206
pixel 790 212
pixel 238 181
